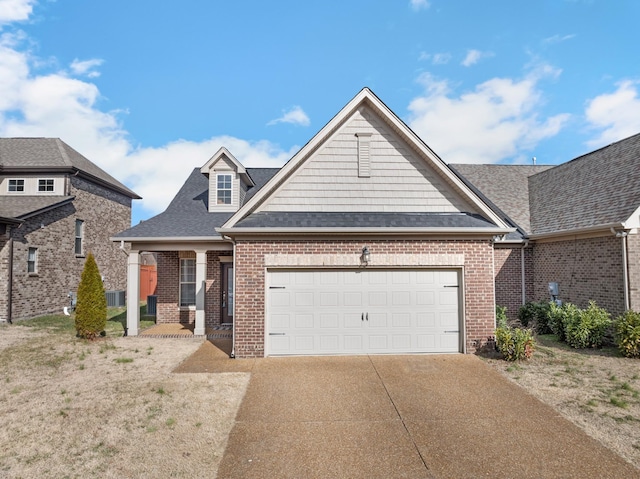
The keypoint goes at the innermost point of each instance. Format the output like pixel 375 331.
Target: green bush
pixel 560 316
pixel 588 328
pixel 515 343
pixel 501 316
pixel 91 306
pixel 627 334
pixel 535 314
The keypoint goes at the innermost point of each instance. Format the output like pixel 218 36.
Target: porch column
pixel 133 293
pixel 201 276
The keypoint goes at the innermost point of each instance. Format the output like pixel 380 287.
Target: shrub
pixel 560 316
pixel 515 343
pixel 91 307
pixel 627 333
pixel 588 328
pixel 535 314
pixel 501 316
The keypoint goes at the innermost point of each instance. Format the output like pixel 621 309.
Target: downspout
pixel 522 271
pixel 10 285
pixel 625 266
pixel 233 326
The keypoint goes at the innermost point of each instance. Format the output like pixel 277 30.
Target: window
pixel 45 185
pixel 32 261
pixel 79 237
pixel 187 282
pixel 224 189
pixel 16 185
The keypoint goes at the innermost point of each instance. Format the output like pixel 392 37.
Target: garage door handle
pixel 362 317
pixel 367 316
pixel 452 332
pixel 277 334
pixel 276 287
pixel 451 286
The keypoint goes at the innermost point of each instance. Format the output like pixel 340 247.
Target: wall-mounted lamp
pixel 365 256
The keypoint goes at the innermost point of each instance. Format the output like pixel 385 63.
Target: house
pixel 576 225
pixel 55 207
pixel 364 242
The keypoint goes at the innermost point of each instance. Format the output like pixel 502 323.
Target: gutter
pixel 365 231
pixel 625 265
pixel 10 285
pixel 576 231
pixel 522 271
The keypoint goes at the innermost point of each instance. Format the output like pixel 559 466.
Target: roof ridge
pixel 63 153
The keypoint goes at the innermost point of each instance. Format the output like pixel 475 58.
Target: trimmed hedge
pixel 627 334
pixel 91 307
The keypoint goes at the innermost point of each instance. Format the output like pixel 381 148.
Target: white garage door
pixel 362 312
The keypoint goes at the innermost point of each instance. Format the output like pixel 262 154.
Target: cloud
pixel 54 104
pixel 557 39
pixel 436 58
pixel 474 56
pixel 419 4
pixel 86 67
pixel 15 10
pixel 494 122
pixel 617 114
pixel 295 115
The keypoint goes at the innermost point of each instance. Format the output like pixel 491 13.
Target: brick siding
pixel 104 213
pixel 633 258
pixel 250 282
pixel 508 278
pixel 585 269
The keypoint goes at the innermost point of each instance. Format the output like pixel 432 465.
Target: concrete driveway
pixel 403 416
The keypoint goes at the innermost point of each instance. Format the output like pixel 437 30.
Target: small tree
pixel 91 306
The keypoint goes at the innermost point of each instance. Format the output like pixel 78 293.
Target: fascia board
pixel 365 231
pixel 156 239
pixel 578 231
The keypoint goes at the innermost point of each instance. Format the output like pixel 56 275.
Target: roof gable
pixel 405 174
pixel 599 189
pixel 224 157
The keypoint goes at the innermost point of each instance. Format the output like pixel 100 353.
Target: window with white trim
pixel 79 238
pixel 187 282
pixel 16 186
pixel 224 188
pixel 45 185
pixel 32 261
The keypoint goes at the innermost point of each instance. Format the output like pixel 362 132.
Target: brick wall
pixel 4 278
pixel 168 290
pixel 633 258
pixel 250 281
pixel 53 234
pixel 586 269
pixel 508 271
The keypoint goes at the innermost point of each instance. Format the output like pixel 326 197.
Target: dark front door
pixel 227 293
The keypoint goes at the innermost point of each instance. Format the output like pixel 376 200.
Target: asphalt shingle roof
pixel 362 220
pixel 50 154
pixel 187 215
pixel 22 206
pixel 504 187
pixel 596 189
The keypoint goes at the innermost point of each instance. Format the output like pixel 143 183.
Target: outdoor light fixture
pixel 366 256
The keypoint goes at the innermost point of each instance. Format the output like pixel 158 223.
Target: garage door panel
pixel 362 311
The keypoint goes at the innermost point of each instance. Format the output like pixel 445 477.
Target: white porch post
pixel 133 293
pixel 201 276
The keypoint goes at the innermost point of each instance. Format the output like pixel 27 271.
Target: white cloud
pixel 436 58
pixel 557 39
pixel 474 56
pixel 617 114
pixel 419 4
pixel 295 116
pixel 494 122
pixel 57 105
pixel 86 67
pixel 15 10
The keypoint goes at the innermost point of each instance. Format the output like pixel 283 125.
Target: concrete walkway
pixel 402 417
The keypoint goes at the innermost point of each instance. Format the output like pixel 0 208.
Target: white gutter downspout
pixel 233 326
pixel 522 271
pixel 625 267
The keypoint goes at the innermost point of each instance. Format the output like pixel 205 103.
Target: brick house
pixel 576 225
pixel 55 207
pixel 364 242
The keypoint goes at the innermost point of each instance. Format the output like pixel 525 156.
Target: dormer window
pixel 45 186
pixel 16 186
pixel 224 189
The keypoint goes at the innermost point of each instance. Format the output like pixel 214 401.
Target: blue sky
pixel 149 90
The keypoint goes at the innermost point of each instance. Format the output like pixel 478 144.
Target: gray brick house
pixel 55 207
pixel 576 224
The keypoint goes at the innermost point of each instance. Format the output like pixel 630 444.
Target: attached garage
pixel 363 311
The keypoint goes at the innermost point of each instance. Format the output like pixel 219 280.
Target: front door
pixel 227 293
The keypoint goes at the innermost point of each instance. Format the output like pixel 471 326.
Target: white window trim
pixel 34 261
pixel 53 185
pixel 76 237
pixel 230 189
pixel 9 190
pixel 180 283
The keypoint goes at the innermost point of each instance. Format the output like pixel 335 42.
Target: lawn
pixel 597 389
pixel 111 408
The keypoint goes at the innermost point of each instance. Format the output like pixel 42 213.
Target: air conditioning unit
pixel 116 299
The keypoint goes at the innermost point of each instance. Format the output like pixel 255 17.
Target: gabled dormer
pixel 228 182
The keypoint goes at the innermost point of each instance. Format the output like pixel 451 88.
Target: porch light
pixel 365 256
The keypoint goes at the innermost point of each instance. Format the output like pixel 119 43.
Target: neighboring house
pixel 577 225
pixel 364 242
pixel 55 207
